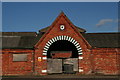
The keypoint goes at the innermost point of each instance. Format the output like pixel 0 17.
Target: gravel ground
pixel 62 77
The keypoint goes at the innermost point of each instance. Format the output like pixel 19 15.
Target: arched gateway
pixel 61 48
pixel 62 54
pixel 62 38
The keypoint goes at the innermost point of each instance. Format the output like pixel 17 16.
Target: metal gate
pixel 54 65
pixel 69 65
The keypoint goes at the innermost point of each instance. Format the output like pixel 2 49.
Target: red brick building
pixel 60 48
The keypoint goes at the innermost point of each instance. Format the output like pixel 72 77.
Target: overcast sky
pixel 32 16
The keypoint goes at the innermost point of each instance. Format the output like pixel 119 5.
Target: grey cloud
pixel 103 22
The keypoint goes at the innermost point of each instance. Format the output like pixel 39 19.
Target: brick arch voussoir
pixel 63 37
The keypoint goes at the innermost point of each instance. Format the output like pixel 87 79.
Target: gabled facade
pixel 60 48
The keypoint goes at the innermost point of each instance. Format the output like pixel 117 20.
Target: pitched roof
pixel 29 39
pixel 99 40
pixel 102 40
pixel 18 41
pixel 19 33
pixel 59 16
pixel 66 19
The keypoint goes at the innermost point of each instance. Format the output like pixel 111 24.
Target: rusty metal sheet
pixel 61 54
pixel 72 61
pixel 54 65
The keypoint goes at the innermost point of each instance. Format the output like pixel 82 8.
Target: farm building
pixel 61 48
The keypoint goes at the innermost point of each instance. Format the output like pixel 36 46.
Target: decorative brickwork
pixel 91 60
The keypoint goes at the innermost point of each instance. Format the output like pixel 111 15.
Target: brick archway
pixel 63 37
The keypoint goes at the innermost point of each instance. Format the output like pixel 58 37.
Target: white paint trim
pixel 53 40
pixel 78 46
pixel 67 38
pixel 60 37
pixel 70 39
pixel 80 67
pixel 44 53
pixel 57 38
pixel 44 58
pixel 80 53
pixel 64 37
pixel 73 41
pixel 80 57
pixel 47 44
pixel 80 70
pixel 45 48
pixel 44 71
pixel 78 49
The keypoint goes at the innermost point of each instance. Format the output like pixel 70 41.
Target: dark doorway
pixel 62 58
pixel 63 45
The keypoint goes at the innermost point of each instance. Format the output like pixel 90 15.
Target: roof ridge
pixel 104 33
pixel 18 32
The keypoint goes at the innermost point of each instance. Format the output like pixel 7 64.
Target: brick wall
pixel 96 60
pixel 85 63
pixel 105 61
pixel 99 60
pixel 53 32
pixel 9 67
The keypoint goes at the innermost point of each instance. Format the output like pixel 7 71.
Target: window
pixel 19 57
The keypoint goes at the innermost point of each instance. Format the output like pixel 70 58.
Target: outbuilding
pixel 61 48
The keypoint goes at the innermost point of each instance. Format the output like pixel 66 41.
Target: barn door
pixel 54 65
pixel 70 65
